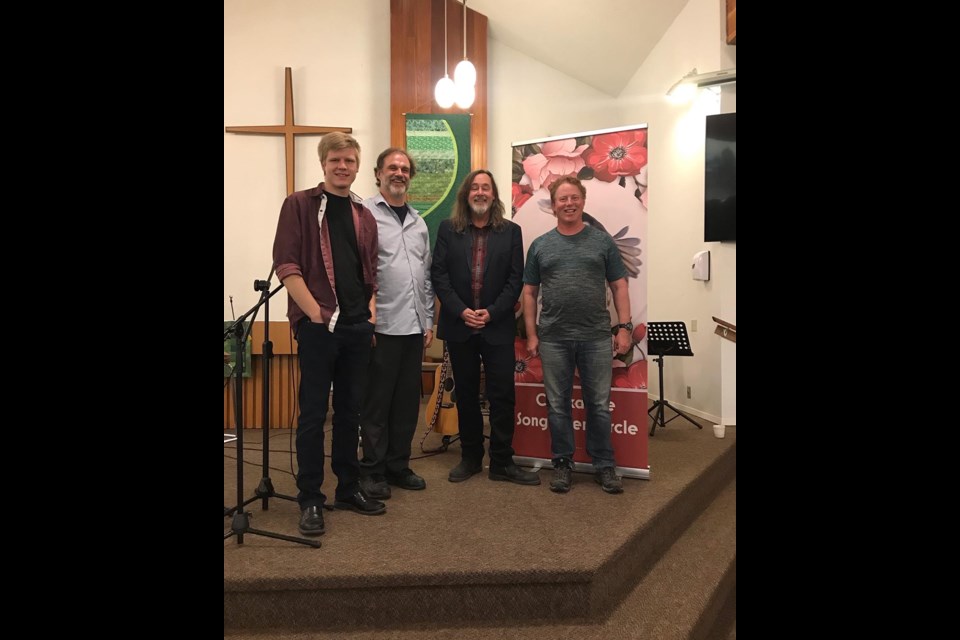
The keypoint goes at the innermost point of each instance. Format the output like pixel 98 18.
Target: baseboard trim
pixel 697 412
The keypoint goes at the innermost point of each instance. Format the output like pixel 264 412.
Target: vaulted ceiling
pixel 602 43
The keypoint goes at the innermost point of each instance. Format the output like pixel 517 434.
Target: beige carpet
pixel 518 552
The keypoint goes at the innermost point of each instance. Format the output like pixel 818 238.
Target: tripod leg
pixel 241 526
pixel 657 417
pixel 265 490
pixel 279 536
pixel 681 414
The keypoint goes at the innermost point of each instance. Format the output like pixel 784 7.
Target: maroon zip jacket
pixel 302 247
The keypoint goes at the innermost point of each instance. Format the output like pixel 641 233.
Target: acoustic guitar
pixel 442 403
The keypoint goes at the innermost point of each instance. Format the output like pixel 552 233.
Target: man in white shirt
pixel 391 405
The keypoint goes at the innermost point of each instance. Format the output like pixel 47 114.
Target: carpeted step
pixel 724 627
pixel 477 550
pixel 682 597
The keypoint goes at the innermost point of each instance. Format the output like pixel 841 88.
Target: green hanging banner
pixel 440 145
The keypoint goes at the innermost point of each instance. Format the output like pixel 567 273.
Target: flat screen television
pixel 720 181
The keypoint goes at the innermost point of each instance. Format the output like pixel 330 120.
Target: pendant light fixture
pixel 465 75
pixel 446 91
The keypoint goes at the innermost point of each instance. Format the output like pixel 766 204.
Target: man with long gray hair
pixel 477 274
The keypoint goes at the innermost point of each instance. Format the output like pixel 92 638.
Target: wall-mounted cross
pixel 288 130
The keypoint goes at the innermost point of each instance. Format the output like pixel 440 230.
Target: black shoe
pixel 464 470
pixel 513 473
pixel 375 486
pixel 359 502
pixel 406 479
pixel 311 521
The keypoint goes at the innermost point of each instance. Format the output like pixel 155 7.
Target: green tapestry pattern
pixel 440 145
pixel 230 346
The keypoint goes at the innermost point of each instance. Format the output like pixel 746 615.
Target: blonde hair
pixel 335 141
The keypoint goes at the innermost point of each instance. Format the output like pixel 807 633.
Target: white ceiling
pixel 602 43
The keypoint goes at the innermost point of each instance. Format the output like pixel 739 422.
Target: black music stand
pixel 241 519
pixel 667 339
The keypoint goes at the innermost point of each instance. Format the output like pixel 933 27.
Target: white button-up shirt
pixel 405 293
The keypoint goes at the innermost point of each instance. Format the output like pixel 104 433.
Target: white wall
pixel 529 101
pixel 340 56
pixel 675 224
pixel 728 254
pixel 341 77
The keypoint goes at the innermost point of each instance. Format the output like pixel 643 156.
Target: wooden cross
pixel 288 130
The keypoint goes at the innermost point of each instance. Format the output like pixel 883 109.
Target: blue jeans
pixel 593 359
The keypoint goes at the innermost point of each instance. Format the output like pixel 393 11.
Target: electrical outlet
pixel 693 326
pixel 688 393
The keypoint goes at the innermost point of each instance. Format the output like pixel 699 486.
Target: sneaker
pixel 607 478
pixel 375 486
pixel 464 470
pixel 513 473
pixel 407 479
pixel 562 477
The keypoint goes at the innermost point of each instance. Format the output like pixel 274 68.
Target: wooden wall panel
pixel 284 387
pixel 731 21
pixel 416 64
pixel 280 335
pixel 284 382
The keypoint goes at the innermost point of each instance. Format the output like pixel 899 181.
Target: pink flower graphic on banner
pixel 521 193
pixel 526 368
pixel 556 159
pixel 639 332
pixel 629 377
pixel 617 154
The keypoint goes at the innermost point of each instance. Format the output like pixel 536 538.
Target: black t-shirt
pixel 401 212
pixel 351 294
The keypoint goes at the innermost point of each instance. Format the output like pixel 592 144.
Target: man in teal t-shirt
pixel 573 264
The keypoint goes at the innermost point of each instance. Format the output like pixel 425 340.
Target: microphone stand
pixel 265 489
pixel 241 519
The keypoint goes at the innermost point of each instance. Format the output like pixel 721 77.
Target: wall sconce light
pixel 465 75
pixel 686 87
pixel 446 91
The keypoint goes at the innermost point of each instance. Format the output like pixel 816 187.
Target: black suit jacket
pixel 502 281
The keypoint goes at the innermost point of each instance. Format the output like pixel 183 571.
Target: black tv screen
pixel 720 182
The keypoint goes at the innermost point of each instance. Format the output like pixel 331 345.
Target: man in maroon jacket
pixel 325 253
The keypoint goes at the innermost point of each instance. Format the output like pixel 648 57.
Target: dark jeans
pixel 498 361
pixel 339 358
pixel 391 405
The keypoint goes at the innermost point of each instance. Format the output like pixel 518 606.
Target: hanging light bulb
pixel 446 91
pixel 465 73
pixel 465 95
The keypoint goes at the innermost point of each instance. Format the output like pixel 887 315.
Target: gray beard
pixel 397 189
pixel 480 210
